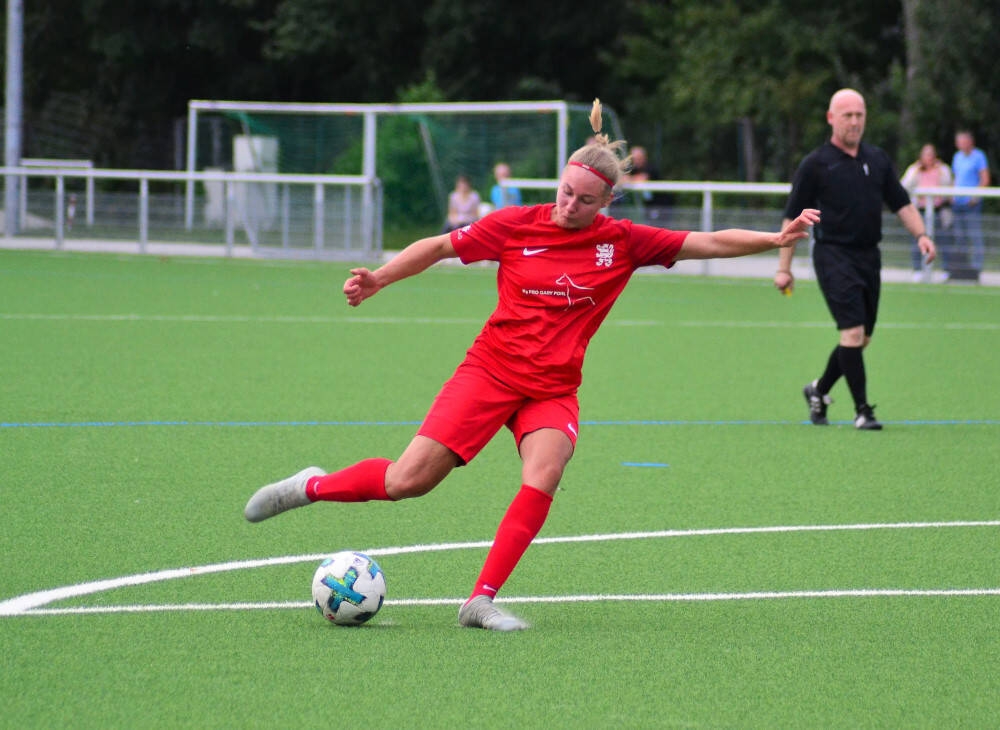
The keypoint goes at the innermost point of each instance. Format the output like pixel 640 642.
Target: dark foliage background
pixel 721 90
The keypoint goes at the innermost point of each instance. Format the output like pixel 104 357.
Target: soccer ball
pixel 348 588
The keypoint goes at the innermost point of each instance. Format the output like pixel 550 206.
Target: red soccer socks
pixel 519 526
pixel 362 482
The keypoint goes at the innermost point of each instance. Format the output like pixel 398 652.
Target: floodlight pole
pixel 12 129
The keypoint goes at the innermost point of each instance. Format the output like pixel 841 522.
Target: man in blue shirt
pixel 971 170
pixel 502 196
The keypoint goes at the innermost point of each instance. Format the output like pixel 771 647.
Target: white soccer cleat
pixel 281 496
pixel 480 613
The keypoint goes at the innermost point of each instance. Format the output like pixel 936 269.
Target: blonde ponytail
pixel 602 154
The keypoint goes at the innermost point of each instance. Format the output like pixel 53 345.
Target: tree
pixel 951 80
pixel 706 69
pixel 539 50
pixel 697 83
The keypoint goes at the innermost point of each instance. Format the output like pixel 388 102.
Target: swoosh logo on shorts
pixel 532 251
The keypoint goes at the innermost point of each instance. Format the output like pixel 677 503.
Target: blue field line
pixel 213 424
pixel 624 422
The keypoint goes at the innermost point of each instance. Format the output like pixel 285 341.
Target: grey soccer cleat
pixel 865 419
pixel 479 612
pixel 817 404
pixel 281 496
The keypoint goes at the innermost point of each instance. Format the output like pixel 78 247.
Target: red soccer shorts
pixel 473 405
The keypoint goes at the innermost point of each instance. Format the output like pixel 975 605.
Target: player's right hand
pixel 360 286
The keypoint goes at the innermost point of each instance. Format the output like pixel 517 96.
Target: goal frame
pixel 370 114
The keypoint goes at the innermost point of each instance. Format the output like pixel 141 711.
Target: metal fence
pixel 760 206
pixel 340 216
pixel 314 216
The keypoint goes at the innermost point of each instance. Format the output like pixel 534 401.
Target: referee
pixel 848 180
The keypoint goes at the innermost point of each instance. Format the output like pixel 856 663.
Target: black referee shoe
pixel 865 419
pixel 817 404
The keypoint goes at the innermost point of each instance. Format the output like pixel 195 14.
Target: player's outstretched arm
pixel 739 242
pixel 413 259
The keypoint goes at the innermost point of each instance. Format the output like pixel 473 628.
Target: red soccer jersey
pixel 556 285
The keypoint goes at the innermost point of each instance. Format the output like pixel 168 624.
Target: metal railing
pixel 271 213
pixel 340 216
pixel 49 163
pixel 896 241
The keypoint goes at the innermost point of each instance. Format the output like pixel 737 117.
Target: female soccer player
pixel 561 267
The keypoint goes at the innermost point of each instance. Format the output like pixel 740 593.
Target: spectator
pixel 632 203
pixel 971 170
pixel 463 205
pixel 656 206
pixel 502 196
pixel 930 171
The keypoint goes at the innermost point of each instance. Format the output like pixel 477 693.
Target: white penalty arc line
pixel 32 601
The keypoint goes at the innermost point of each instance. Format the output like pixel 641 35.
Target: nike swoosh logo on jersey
pixel 532 251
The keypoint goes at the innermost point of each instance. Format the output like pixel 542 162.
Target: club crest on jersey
pixel 605 254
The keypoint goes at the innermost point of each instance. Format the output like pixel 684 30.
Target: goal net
pixel 414 152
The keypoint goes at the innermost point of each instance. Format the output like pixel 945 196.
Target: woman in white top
pixel 929 171
pixel 463 205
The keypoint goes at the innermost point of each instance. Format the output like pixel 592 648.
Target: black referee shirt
pixel 848 191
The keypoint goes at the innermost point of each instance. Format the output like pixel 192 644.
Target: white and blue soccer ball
pixel 348 588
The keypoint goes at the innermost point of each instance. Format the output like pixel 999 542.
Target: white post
pixel 318 197
pixel 90 201
pixel 60 211
pixel 22 196
pixel 706 225
pixel 562 132
pixel 286 210
pixel 368 170
pixel 925 268
pixel 143 214
pixel 13 112
pixel 230 216
pixel 347 217
pixel 192 134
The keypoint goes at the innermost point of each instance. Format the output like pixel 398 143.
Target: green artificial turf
pixel 756 571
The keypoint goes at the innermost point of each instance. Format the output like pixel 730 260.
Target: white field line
pixel 272 319
pixel 589 598
pixel 741 324
pixel 31 601
pixel 237 318
pixel 315 319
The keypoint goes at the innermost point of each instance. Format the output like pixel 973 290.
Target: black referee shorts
pixel 850 279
